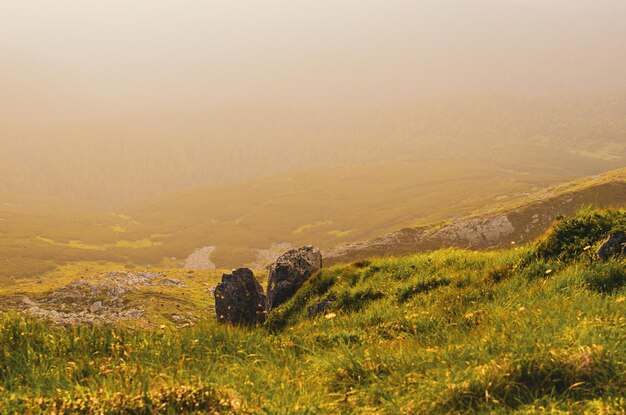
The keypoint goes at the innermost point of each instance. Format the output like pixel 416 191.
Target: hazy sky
pixel 121 56
pixel 112 100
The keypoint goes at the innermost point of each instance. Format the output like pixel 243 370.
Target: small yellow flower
pixel 330 316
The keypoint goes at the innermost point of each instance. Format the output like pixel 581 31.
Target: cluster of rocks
pixel 94 314
pixel 100 301
pixel 240 299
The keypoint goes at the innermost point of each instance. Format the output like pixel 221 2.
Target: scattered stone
pixel 614 245
pixel 67 318
pixel 239 299
pixel 319 308
pixel 83 301
pixel 95 307
pixel 183 321
pixel 289 272
pixel 171 282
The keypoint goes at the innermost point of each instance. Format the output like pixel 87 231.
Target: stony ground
pixel 143 298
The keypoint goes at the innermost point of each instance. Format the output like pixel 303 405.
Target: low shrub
pixel 571 238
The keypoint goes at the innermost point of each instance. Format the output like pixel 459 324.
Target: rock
pixel 171 282
pixel 319 308
pixel 477 231
pixel 614 245
pixel 239 299
pixel 95 307
pixel 289 272
pixel 181 320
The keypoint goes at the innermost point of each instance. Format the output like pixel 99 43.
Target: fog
pixel 143 55
pixel 104 71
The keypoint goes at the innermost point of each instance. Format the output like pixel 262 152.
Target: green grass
pixel 445 332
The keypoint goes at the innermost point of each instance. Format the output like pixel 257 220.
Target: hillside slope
pixel 327 207
pixel 251 223
pixel 532 330
pixel 247 223
pixel 516 221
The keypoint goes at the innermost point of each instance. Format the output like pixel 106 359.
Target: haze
pixel 256 88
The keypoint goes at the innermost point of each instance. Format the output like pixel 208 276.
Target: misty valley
pixel 355 207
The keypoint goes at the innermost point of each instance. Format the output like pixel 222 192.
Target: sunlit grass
pixel 444 332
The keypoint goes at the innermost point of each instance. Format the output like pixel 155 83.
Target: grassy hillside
pixel 327 207
pixel 511 220
pixel 251 221
pixel 530 330
pixel 323 207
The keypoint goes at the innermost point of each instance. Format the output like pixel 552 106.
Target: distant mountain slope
pixel 249 223
pixel 327 207
pixel 519 220
pixel 106 164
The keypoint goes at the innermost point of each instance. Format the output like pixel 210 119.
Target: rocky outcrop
pixel 614 245
pixel 99 301
pixel 95 307
pixel 289 272
pixel 493 227
pixel 239 299
pixel 477 231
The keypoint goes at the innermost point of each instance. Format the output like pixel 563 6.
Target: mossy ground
pixel 444 332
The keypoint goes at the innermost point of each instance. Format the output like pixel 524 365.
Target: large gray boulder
pixel 239 299
pixel 614 245
pixel 289 272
